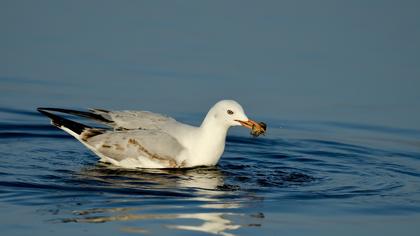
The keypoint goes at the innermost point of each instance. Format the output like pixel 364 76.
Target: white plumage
pixel 142 139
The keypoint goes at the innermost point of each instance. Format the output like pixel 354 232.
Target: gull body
pixel 142 139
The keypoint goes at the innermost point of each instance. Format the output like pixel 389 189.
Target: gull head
pixel 231 113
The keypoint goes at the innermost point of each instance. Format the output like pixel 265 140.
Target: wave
pixel 92 188
pixel 12 135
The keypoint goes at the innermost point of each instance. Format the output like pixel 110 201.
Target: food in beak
pixel 258 128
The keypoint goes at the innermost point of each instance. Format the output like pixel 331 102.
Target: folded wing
pixel 131 120
pixel 121 120
pixel 144 147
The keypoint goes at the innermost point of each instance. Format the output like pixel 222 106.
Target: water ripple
pixel 47 168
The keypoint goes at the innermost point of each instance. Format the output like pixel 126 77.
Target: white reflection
pixel 214 223
pixel 203 184
pixel 206 178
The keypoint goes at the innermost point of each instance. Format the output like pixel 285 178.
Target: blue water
pixel 303 177
pixel 336 81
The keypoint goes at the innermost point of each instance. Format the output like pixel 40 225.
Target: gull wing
pixel 150 148
pixel 121 120
pixel 129 120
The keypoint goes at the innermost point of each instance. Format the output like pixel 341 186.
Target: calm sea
pixel 336 81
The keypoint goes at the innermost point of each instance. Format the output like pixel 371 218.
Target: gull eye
pixel 230 112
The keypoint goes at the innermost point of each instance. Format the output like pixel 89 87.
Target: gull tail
pixel 79 131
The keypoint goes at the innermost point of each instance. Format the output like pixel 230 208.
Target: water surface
pixel 303 177
pixel 336 82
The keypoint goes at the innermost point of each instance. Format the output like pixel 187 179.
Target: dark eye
pixel 230 112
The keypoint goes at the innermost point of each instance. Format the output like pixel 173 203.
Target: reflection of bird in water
pixel 214 223
pixel 201 183
pixel 199 179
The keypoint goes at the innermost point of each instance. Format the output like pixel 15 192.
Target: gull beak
pixel 249 123
pixel 257 128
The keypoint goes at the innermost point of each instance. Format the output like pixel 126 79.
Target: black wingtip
pixel 89 115
pixel 43 111
pixel 63 122
pixel 40 109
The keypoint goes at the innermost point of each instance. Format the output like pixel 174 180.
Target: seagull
pixel 143 139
